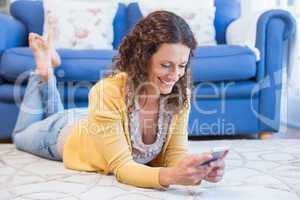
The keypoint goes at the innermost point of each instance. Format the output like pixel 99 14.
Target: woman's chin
pixel 165 91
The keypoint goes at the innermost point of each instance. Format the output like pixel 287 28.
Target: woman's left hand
pixel 217 172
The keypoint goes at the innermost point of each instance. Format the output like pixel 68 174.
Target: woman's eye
pixel 182 66
pixel 165 65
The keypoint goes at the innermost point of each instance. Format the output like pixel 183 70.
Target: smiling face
pixel 167 65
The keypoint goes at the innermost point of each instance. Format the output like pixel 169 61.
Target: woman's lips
pixel 168 83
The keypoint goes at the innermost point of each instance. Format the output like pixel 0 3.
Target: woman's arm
pixel 178 144
pixel 181 168
pixel 166 176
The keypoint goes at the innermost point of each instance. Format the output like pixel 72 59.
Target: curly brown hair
pixel 144 40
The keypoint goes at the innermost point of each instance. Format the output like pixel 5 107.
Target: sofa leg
pixel 265 135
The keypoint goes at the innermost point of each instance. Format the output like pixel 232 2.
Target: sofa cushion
pixel 210 63
pixel 134 14
pixel 199 17
pixel 120 25
pixel 80 24
pixel 226 12
pixel 31 14
pixel 225 89
pixel 77 65
pixel 223 62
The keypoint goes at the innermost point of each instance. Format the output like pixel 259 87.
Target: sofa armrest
pixel 274 28
pixel 267 33
pixel 12 33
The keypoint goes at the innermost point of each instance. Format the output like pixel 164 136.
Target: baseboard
pixel 5 141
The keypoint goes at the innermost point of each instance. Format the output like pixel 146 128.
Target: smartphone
pixel 217 153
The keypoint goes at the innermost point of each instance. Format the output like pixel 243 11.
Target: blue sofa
pixel 228 92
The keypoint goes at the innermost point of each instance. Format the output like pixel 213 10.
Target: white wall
pixel 250 6
pixel 4 6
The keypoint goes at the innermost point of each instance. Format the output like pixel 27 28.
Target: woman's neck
pixel 149 99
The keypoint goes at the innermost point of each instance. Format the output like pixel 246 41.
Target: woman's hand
pixel 217 172
pixel 188 171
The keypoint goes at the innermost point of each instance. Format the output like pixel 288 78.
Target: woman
pixel 136 122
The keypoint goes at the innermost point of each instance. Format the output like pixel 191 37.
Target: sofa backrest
pixel 31 14
pixel 226 12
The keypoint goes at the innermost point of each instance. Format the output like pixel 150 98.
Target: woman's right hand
pixel 188 171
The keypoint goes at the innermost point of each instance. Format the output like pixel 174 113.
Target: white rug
pixel 254 170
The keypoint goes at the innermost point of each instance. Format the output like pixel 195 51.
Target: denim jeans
pixel 41 118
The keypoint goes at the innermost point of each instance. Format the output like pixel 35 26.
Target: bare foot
pixel 42 54
pixel 55 58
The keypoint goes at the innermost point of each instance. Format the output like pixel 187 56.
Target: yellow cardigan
pixel 101 143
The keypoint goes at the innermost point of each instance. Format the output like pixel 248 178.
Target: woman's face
pixel 167 65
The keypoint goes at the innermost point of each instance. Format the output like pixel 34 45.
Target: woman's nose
pixel 174 73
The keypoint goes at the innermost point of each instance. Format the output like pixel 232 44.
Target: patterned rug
pixel 255 169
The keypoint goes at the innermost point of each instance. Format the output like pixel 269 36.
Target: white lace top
pixel 144 153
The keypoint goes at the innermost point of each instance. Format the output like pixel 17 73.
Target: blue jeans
pixel 41 118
